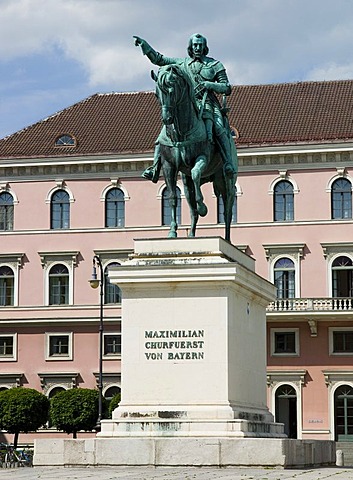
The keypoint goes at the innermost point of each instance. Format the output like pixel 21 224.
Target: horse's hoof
pixel 202 210
pixel 172 235
pixel 191 235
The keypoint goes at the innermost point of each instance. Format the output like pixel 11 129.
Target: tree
pixel 22 410
pixel 114 403
pixel 74 410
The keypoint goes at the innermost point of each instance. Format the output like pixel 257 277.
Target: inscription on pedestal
pixel 174 344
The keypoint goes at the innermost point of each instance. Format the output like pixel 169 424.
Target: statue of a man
pixel 209 77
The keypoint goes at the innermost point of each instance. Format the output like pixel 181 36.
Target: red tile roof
pixel 119 123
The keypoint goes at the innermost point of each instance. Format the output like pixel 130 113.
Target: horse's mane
pixel 181 73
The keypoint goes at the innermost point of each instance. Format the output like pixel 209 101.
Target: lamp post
pixel 95 283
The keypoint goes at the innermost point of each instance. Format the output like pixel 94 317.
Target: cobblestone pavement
pixel 169 473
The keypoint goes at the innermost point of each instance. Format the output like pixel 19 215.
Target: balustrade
pixel 310 304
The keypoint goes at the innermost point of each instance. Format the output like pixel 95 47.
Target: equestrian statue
pixel 195 139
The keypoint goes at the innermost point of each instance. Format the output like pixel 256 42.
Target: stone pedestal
pixel 194 342
pixel 193 367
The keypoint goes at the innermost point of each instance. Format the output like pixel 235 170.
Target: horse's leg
pixel 170 176
pixel 226 187
pixel 189 191
pixel 196 174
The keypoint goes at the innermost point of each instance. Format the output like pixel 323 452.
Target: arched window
pixel 342 277
pixel 341 199
pixel 6 211
pixel 55 391
pixel 60 210
pixel 166 208
pixel 284 278
pixel 115 208
pixel 59 285
pixel 220 210
pixel 343 402
pixel 283 202
pixel 7 283
pixel 112 293
pixel 65 141
pixel 111 392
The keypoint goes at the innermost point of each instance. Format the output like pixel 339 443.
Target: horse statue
pixel 184 147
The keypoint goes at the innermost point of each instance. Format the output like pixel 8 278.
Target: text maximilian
pixel 174 333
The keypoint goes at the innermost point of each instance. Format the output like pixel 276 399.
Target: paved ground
pixel 168 473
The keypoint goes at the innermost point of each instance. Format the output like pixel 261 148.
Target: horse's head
pixel 171 85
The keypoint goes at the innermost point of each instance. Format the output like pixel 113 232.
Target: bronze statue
pixel 209 77
pixel 191 113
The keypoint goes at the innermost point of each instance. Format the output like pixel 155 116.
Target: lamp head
pixel 94 282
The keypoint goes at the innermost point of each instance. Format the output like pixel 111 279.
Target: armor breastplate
pixel 205 71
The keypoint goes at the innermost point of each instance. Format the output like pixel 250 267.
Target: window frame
pixel 12 287
pixel 48 356
pixel 284 196
pixel 293 280
pixel 341 200
pixel 49 260
pixel 334 280
pixel 7 207
pixel 64 223
pixel 70 144
pixel 273 332
pixel 111 356
pixel 13 356
pixel 66 287
pixel 14 262
pixel 293 252
pixel 332 330
pixel 117 208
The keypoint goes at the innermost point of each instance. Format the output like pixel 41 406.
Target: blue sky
pixel 56 53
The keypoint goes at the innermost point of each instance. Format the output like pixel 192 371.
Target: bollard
pixel 339 458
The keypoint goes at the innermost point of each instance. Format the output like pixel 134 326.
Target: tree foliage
pixel 114 403
pixel 22 410
pixel 74 410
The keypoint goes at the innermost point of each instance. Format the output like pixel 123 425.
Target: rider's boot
pixel 226 153
pixel 209 130
pixel 152 173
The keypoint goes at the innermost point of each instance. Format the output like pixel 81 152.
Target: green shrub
pixel 114 403
pixel 74 410
pixel 22 410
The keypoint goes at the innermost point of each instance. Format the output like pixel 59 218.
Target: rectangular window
pixel 341 341
pixel 59 346
pixel 8 347
pixel 285 342
pixel 112 344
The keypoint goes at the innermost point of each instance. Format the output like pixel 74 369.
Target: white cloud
pixel 259 41
pixel 331 71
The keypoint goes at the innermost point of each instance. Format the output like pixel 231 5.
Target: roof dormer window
pixel 65 141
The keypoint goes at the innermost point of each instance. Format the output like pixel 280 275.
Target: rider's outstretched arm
pixel 155 57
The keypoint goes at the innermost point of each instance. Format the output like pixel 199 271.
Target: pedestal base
pixel 171 451
pixel 191 421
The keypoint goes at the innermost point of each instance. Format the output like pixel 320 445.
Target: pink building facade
pixel 71 188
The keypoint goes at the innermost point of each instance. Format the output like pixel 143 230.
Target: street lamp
pixel 95 283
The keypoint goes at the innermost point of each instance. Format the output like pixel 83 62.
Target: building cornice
pixel 278 158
